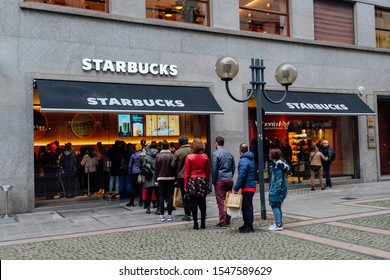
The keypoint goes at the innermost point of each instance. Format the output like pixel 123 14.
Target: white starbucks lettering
pixel 131 67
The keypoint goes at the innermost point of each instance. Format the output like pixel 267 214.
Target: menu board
pixel 124 125
pixel 162 125
pixel 138 125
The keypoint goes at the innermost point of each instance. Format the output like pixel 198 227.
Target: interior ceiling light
pixel 268 4
pixel 179 5
pixel 168 12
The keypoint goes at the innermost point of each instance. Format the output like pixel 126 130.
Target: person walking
pixel 165 177
pixel 246 181
pixel 278 187
pixel 316 158
pixel 223 166
pixel 178 162
pixel 196 181
pixel 328 152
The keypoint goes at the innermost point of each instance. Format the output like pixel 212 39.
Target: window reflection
pixel 264 16
pixel 382 26
pixel 195 12
pixel 96 5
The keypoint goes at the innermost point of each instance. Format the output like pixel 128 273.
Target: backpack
pixel 147 170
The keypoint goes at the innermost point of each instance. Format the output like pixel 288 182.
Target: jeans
pixel 221 188
pixel 277 210
pixel 124 184
pixel 326 167
pixel 111 186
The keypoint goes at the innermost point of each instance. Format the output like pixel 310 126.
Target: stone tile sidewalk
pixel 346 222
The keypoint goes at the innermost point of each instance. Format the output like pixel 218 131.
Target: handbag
pixel 177 199
pixel 140 179
pixel 233 200
pixel 198 186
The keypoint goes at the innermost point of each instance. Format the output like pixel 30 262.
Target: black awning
pixel 302 103
pixel 70 96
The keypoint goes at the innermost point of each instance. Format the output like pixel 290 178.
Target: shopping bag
pixel 233 200
pixel 234 212
pixel 177 199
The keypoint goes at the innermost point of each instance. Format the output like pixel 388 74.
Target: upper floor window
pixel 382 28
pixel 194 11
pixel 96 5
pixel 265 16
pixel 333 21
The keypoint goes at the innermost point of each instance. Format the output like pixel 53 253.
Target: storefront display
pixel 166 117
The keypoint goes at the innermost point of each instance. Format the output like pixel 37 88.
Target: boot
pixel 203 222
pixel 196 225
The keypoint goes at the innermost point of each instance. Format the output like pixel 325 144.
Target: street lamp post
pixel 227 68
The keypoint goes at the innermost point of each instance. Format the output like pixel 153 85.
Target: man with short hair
pixel 223 166
pixel 327 151
pixel 178 163
pixel 246 182
pixel 165 176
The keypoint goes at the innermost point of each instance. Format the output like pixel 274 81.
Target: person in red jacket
pixel 196 180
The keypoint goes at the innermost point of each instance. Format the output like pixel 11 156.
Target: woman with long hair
pixel 196 180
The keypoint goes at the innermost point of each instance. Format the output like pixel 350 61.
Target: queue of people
pixel 151 171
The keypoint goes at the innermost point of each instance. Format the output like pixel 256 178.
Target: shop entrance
pixel 384 135
pixel 304 119
pixel 75 119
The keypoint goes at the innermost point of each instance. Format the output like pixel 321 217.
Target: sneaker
pixel 186 218
pixel 275 227
pixel 170 218
pixel 220 226
pixel 161 219
pixel 328 188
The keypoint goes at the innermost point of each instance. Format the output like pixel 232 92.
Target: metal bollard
pixel 6 218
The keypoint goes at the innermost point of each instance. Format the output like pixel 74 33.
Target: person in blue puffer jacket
pixel 246 181
pixel 278 187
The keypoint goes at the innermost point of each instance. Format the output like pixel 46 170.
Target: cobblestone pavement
pixel 357 227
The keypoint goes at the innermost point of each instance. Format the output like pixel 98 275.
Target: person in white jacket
pixel 90 163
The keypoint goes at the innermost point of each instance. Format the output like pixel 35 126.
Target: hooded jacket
pixel 278 185
pixel 246 180
pixel 150 156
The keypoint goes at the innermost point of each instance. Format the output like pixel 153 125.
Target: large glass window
pixel 194 11
pixel 301 132
pixel 96 5
pixel 76 132
pixel 265 16
pixel 382 28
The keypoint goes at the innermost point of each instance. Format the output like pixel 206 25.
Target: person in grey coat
pixel 150 183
